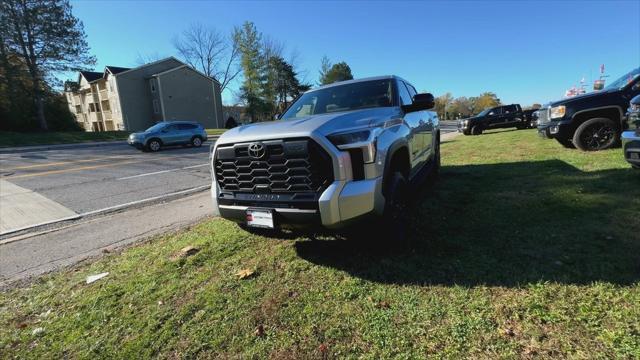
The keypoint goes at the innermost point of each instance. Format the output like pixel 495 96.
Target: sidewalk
pixel 23 208
pixel 35 254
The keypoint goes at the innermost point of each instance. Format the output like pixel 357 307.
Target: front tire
pixel 596 134
pixel 196 141
pixel 476 130
pixel 396 211
pixel 154 145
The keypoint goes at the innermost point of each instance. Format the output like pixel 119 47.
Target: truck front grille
pixel 543 116
pixel 274 166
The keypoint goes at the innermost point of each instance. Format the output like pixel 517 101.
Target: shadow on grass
pixel 507 224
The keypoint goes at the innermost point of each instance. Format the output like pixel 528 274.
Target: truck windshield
pixel 484 112
pixel 359 95
pixel 624 80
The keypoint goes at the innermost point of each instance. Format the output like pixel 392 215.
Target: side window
pixel 507 110
pixel 171 128
pixel 412 90
pixel 405 97
pixel 496 111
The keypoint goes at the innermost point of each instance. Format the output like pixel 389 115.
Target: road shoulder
pixel 43 252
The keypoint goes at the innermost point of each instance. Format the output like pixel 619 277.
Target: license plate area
pixel 261 218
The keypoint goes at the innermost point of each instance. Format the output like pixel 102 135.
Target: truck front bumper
pixel 631 146
pixel 340 204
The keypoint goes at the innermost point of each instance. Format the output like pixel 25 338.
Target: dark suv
pixel 499 117
pixel 592 121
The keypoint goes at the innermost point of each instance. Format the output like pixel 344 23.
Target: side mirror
pixel 424 101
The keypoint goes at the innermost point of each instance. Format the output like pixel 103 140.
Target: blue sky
pixel 525 51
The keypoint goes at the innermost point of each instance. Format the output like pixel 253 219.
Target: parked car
pixel 169 133
pixel 631 138
pixel 340 153
pixel 499 117
pixel 592 121
pixel 530 118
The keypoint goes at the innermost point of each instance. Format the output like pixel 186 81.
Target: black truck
pixel 592 121
pixel 499 117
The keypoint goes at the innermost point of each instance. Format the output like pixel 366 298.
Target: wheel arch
pixel 612 112
pixel 153 138
pixel 397 159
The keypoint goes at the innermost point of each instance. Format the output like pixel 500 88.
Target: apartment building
pixel 134 99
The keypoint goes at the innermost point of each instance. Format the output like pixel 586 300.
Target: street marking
pixel 52 172
pixel 66 162
pixel 162 172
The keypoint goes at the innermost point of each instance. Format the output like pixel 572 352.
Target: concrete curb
pixel 13 150
pixel 111 209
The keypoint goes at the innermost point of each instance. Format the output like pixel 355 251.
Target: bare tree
pixel 210 51
pixel 146 58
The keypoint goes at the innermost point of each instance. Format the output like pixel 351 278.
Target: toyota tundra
pixel 340 153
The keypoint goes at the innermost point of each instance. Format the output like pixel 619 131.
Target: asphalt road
pixel 86 179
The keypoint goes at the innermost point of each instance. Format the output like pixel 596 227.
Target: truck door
pixel 509 116
pixel 494 117
pixel 426 127
pixel 414 120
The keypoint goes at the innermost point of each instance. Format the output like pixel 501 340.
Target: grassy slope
pixel 8 139
pixel 524 249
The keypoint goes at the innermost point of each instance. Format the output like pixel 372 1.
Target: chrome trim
pixel 244 208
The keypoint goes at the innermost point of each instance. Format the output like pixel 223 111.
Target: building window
pixel 153 85
pixel 156 107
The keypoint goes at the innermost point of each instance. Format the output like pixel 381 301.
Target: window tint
pixel 171 128
pixel 186 126
pixel 412 90
pixel 405 97
pixel 496 111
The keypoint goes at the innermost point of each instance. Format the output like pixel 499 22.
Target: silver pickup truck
pixel 340 153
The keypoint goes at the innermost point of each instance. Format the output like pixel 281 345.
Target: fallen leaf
pixel 160 302
pixel 259 331
pixel 382 305
pixel 37 331
pixel 185 252
pixel 509 332
pixel 245 273
pixel 323 348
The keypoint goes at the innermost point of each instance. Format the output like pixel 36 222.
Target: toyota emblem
pixel 256 150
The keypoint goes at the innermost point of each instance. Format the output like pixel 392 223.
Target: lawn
pixel 215 131
pixel 10 139
pixel 523 249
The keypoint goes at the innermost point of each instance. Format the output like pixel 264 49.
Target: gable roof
pixel 185 66
pixel 90 76
pixel 115 69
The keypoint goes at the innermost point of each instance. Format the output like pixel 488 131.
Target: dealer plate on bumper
pixel 262 218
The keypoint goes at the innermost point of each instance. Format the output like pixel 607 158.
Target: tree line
pixel 449 107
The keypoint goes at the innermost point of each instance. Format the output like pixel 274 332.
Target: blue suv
pixel 169 133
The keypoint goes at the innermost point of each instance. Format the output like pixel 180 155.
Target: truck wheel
pixel 476 130
pixel 596 134
pixel 396 211
pixel 466 132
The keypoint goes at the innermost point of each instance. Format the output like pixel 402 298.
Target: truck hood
pixel 323 124
pixel 580 97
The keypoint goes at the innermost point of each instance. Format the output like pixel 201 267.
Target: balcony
pixel 107 115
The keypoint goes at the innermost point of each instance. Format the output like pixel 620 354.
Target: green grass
pixel 523 249
pixel 216 131
pixel 10 139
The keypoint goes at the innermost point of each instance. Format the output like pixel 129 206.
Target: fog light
pixel 554 129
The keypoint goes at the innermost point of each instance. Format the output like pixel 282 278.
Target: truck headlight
pixel 557 112
pixel 361 139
